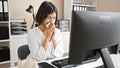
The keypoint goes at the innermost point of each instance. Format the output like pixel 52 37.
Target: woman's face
pixel 49 19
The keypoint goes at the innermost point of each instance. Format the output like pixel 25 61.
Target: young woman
pixel 45 41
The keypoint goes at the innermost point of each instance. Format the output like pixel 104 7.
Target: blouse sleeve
pixel 58 51
pixel 37 52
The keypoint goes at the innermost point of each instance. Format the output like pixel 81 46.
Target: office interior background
pixel 17 11
pixel 17 8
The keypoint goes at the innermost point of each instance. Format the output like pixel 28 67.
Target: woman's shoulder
pixel 33 30
pixel 58 30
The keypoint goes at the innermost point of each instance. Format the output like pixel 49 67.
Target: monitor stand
pixel 107 61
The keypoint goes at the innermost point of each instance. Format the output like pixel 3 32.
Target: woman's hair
pixel 44 10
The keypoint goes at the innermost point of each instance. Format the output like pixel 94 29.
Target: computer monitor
pixel 92 33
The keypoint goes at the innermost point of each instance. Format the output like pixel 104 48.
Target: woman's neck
pixel 42 28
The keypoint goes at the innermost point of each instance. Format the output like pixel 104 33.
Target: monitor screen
pixel 92 31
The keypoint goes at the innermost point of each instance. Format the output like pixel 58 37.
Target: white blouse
pixel 37 52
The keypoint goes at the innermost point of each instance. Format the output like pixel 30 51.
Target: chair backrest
pixel 23 52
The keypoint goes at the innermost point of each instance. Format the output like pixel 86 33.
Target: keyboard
pixel 62 63
pixel 45 65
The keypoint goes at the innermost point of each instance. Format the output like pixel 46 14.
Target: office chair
pixel 23 52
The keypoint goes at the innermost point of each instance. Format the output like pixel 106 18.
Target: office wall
pixel 109 5
pixel 18 7
pixel 60 6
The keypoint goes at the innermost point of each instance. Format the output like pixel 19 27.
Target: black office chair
pixel 23 52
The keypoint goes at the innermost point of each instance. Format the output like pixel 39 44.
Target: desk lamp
pixel 30 9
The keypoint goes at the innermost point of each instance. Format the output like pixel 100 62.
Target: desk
pixel 115 59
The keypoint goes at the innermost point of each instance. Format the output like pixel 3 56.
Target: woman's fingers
pixel 50 31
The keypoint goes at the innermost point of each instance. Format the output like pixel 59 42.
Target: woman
pixel 45 41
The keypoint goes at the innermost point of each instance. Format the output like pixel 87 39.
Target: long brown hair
pixel 44 10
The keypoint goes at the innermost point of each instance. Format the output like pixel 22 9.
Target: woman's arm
pixel 58 44
pixel 37 51
pixel 49 32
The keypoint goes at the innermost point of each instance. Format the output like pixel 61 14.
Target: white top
pixel 37 52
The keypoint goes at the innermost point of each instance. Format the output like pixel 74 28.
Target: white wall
pixel 109 5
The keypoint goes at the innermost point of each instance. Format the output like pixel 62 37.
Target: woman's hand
pixel 48 34
pixel 53 38
pixel 49 31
